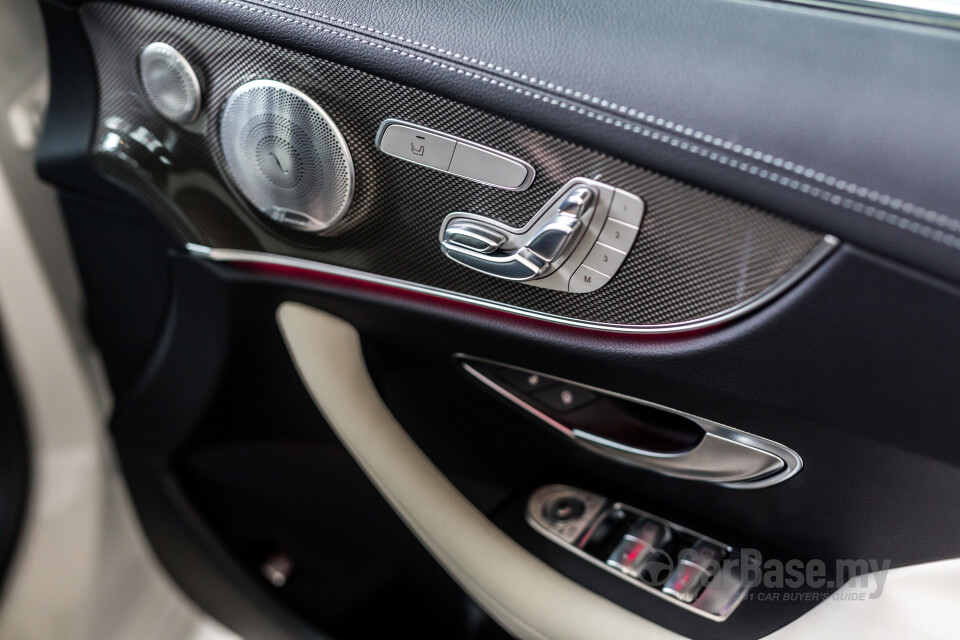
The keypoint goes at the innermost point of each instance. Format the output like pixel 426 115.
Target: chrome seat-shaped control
pixel 558 234
pixel 550 249
pixel 470 235
pixel 522 254
pixel 519 265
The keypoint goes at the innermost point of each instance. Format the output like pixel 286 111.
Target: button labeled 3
pixel 604 259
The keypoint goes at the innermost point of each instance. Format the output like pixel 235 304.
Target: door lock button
pixel 490 167
pixel 565 397
pixel 453 155
pixel 525 380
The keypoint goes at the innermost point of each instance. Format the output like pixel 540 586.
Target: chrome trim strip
pixel 793 463
pixel 791 277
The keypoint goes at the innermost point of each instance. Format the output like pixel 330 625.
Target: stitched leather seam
pixel 851 188
pixel 922 229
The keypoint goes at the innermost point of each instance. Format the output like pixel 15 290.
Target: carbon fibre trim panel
pixel 697 254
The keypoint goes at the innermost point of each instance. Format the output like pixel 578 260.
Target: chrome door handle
pixel 715 458
pixel 695 449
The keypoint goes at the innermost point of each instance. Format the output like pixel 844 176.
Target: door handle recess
pixel 640 433
pixel 716 459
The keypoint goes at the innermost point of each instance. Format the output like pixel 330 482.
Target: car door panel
pixel 761 294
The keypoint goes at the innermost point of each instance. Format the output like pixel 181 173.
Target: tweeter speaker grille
pixel 170 83
pixel 286 155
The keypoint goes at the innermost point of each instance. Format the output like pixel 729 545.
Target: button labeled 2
pixel 618 235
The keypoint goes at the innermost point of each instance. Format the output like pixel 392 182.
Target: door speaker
pixel 286 155
pixel 170 83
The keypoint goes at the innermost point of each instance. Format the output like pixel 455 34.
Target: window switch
pixel 630 556
pixel 694 570
pixel 686 582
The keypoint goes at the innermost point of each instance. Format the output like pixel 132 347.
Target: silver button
pixel 604 259
pixel 577 202
pixel 630 555
pixel 626 207
pixel 515 267
pixel 586 279
pixel 686 582
pixel 704 555
pixel 488 166
pixel 651 532
pixel 417 145
pixel 618 235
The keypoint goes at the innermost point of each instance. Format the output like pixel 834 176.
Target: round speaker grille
pixel 286 155
pixel 170 83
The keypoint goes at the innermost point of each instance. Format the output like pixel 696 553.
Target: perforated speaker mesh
pixel 697 253
pixel 285 153
pixel 170 83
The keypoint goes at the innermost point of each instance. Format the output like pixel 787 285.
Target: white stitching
pixel 918 228
pixel 932 217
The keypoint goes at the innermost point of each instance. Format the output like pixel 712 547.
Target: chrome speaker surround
pixel 286 155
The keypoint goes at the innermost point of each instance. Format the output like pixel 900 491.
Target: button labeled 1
pixel 626 207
